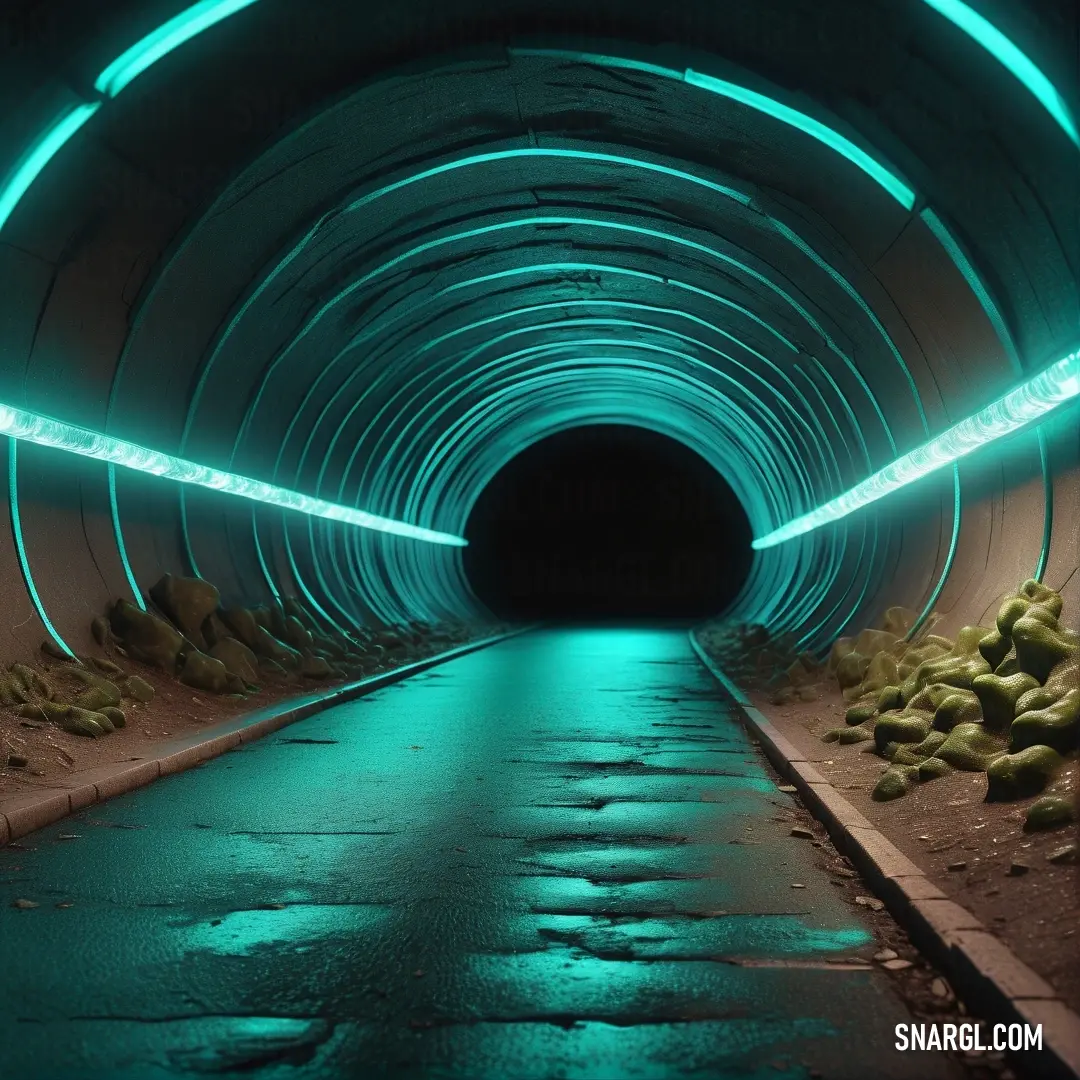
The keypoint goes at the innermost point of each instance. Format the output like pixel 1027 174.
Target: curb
pixel 24 814
pixel 989 978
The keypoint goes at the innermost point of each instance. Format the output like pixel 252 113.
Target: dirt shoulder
pixel 55 757
pixel 1034 905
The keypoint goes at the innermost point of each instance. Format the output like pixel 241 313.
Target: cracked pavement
pixel 557 857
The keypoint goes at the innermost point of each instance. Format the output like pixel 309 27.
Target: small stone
pixel 1066 854
pixel 64 905
pixel 797 885
pixel 940 988
pixel 897 965
pixel 787 788
pixel 956 866
pixel 418 973
pixel 1017 868
pixel 885 954
pixel 801 833
pixel 15 761
pixel 869 901
pixel 24 905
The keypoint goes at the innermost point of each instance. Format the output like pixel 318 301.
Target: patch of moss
pixel 969 747
pixel 1012 776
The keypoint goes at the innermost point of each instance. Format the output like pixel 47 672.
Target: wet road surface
pixel 556 857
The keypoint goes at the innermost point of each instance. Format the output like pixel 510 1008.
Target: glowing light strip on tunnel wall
pixel 873 168
pixel 44 431
pixel 1031 400
pixel 39 155
pixel 160 42
pixel 1003 50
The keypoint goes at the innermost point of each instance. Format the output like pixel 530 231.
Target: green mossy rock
pixel 146 637
pixel 1041 697
pixel 1012 776
pixel 268 645
pixel 1015 607
pixel 860 713
pixel 899 620
pixel 294 607
pixel 840 648
pixel 914 755
pixel 1039 648
pixel 300 638
pixel 138 689
pixel 969 747
pixel 187 602
pixel 107 668
pixel 1008 666
pixel 272 667
pixel 896 780
pixel 890 699
pixel 204 673
pixel 215 630
pixel 1050 812
pixel 849 735
pixel 882 672
pixel 968 638
pixel 956 671
pixel 957 707
pixel 1064 677
pixel 999 696
pixel 994 648
pixel 85 723
pixel 871 642
pixel 1058 726
pixel 849 672
pixel 55 711
pixel 243 624
pixel 933 768
pixel 905 727
pixel 238 659
pixel 117 717
pixel 315 667
pixel 920 654
pixel 1043 595
pixel 263 616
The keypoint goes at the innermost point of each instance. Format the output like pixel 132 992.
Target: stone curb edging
pixel 985 973
pixel 24 814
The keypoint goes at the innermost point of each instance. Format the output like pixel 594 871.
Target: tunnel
pixel 362 307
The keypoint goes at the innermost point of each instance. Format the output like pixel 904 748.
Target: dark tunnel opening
pixel 607 522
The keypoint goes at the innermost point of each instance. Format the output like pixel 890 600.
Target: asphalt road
pixel 557 857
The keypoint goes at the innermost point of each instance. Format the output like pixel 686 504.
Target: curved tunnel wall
pixel 372 258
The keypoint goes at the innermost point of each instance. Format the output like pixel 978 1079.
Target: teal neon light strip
pixel 760 102
pixel 1003 50
pixel 1028 402
pixel 121 547
pixel 160 42
pixel 814 128
pixel 20 547
pixel 44 431
pixel 40 154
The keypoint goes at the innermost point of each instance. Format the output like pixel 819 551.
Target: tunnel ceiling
pixel 371 252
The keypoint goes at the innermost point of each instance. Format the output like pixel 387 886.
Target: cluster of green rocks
pixel 187 634
pixel 1004 700
pixel 84 697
